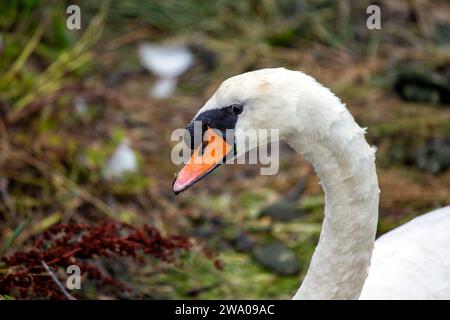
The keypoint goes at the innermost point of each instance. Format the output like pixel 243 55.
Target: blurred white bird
pixel 167 62
pixel 123 160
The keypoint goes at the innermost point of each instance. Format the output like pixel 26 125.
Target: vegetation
pixel 68 98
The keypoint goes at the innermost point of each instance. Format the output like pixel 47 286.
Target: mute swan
pixel 411 262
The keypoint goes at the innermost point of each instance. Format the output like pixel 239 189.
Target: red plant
pixel 75 243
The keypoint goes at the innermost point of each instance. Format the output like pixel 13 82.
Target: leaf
pixel 47 222
pixel 17 231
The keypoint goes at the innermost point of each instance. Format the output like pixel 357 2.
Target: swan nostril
pixel 194 133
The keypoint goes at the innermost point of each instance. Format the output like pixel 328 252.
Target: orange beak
pixel 204 160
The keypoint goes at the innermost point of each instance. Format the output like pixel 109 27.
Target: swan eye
pixel 236 109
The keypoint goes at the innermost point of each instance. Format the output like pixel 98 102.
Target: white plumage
pixel 168 62
pixel 411 262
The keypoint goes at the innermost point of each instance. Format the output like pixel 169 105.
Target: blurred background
pixel 86 117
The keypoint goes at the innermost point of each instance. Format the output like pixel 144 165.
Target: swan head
pixel 265 99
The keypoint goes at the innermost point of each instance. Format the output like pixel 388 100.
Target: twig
pixel 58 283
pixel 26 52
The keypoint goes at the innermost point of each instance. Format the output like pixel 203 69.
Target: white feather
pixel 412 261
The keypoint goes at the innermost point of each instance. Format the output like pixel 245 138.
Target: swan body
pixel 409 262
pixel 412 261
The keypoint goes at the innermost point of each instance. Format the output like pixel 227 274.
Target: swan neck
pixel 345 164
